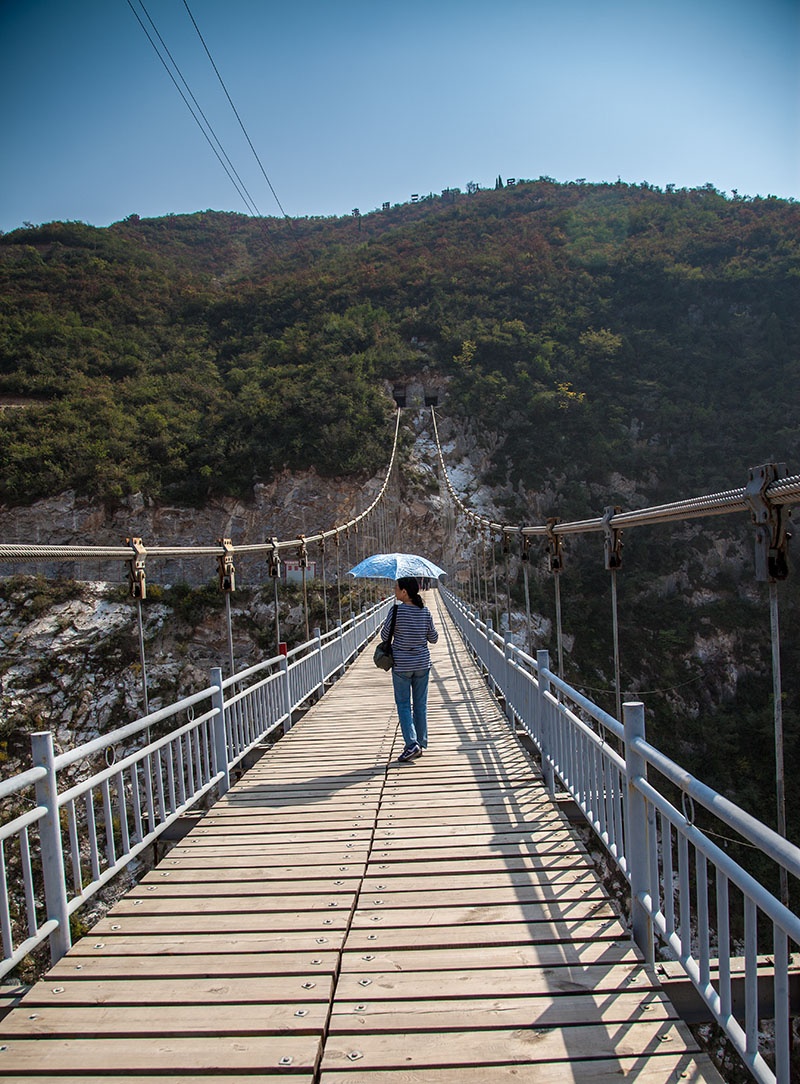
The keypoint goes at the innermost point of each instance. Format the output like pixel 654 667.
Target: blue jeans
pixel 412 688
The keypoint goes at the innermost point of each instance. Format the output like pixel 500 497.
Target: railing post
pixel 55 888
pixel 287 695
pixel 509 685
pixel 637 844
pixel 545 730
pixel 318 638
pixel 340 627
pixel 218 730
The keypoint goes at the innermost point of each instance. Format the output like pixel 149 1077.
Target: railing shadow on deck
pixel 69 844
pixel 687 895
pixel 513 884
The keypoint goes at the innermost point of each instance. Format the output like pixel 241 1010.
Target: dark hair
pixel 411 585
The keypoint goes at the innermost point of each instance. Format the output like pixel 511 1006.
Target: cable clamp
pixel 555 551
pixel 612 543
pixel 225 567
pixel 274 559
pixel 137 579
pixel 302 552
pixel 772 536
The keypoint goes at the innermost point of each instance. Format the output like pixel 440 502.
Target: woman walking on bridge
pixel 413 631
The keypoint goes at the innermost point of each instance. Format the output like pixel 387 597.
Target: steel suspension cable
pixel 783 492
pixel 615 635
pixel 235 111
pixel 324 584
pixel 339 576
pixel 780 784
pixel 494 583
pixel 233 175
pixel 24 552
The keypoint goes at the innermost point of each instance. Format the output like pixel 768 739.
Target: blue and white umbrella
pixel 393 566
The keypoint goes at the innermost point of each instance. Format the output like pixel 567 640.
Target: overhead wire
pixel 235 110
pixel 229 168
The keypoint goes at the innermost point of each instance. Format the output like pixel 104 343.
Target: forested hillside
pixel 610 344
pixel 595 330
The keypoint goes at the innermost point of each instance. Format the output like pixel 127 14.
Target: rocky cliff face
pixel 70 652
pixel 69 633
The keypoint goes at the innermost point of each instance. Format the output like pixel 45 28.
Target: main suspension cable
pixel 23 552
pixel 235 111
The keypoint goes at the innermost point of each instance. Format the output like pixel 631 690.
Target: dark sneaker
pixel 411 752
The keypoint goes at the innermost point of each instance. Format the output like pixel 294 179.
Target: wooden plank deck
pixel 340 918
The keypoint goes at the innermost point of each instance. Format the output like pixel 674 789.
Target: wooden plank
pixel 81 963
pixel 276 820
pixel 450 958
pixel 263 852
pixel 123 1021
pixel 178 874
pixel 475 845
pixel 195 943
pixel 404 863
pixel 208 889
pixel 319 828
pixel 666 1067
pixel 487 820
pixel 175 990
pixel 503 1046
pixel 384 835
pixel 423 1014
pixel 488 874
pixel 509 933
pixel 377 913
pixel 157 1078
pixel 577 891
pixel 198 1054
pixel 500 982
pixel 212 904
pixel 321 834
pixel 220 924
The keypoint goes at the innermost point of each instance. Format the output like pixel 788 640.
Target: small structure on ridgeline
pixel 419 392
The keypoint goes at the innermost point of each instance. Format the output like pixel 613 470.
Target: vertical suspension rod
pixel 780 782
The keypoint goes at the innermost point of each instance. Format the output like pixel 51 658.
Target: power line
pixel 232 173
pixel 235 111
pixel 252 202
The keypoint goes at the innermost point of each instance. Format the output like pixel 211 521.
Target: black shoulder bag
pixel 382 656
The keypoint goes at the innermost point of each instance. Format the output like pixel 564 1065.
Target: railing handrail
pixel 138 796
pixel 130 730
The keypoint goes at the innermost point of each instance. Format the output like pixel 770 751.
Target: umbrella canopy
pixel 392 566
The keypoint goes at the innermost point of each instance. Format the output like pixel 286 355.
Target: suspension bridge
pixel 331 915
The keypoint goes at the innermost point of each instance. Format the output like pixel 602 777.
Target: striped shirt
pixel 413 631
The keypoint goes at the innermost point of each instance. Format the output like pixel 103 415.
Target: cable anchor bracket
pixel 555 551
pixel 137 578
pixel 274 559
pixel 225 567
pixel 771 520
pixel 302 552
pixel 612 543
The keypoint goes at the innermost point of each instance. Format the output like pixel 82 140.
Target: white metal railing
pixel 686 891
pixel 77 818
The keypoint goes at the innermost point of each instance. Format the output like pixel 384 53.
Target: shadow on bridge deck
pixel 341 918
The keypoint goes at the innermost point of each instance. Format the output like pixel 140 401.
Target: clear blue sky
pixel 351 103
